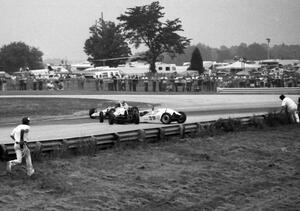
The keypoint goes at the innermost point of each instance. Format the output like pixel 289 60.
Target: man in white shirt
pixel 290 106
pixel 20 136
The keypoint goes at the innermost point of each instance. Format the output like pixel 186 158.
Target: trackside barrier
pixel 103 141
pixel 271 90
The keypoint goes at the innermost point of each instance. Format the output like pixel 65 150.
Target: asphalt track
pixel 198 108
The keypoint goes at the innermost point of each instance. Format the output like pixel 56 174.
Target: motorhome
pixel 102 72
pixel 136 68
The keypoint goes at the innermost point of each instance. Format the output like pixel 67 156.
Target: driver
pixel 121 108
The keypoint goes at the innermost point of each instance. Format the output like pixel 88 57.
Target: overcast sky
pixel 59 28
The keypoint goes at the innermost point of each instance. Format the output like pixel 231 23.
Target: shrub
pixel 274 119
pixel 228 125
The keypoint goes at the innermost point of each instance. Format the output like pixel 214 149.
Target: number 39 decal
pixel 151 117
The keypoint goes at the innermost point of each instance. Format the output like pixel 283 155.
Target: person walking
pixel 290 107
pixel 20 136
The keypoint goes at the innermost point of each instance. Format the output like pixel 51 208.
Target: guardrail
pixel 102 141
pixel 271 90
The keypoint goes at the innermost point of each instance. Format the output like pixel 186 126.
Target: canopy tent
pixel 3 74
pixel 243 73
pixel 239 66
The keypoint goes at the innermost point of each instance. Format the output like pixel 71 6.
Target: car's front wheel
pixel 91 112
pixel 182 117
pixel 165 118
pixel 111 119
pixel 101 116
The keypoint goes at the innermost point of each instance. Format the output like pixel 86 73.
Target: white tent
pixel 239 66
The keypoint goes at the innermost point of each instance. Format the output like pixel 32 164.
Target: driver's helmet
pixel 123 103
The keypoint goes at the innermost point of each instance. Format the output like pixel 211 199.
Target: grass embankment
pixel 248 170
pixel 13 109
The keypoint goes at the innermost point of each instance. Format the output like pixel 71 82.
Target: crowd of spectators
pixel 192 82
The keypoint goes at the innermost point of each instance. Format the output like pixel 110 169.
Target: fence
pixel 273 90
pixel 102 141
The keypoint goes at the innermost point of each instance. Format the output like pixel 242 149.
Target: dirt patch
pixel 251 170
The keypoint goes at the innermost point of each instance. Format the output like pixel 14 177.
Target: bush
pixel 274 119
pixel 228 125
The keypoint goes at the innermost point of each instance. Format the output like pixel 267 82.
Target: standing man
pixel 20 136
pixel 290 106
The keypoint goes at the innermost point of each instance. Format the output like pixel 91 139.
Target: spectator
pixel 20 137
pixel 50 85
pixel 123 83
pixel 68 81
pixel 130 80
pixel 289 106
pixel 154 80
pixel 146 82
pixel 177 83
pixel 135 82
pixel 183 83
pixel 115 82
pixel 40 82
pixel 188 83
pixel 34 82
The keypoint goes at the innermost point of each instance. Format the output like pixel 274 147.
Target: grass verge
pixel 256 169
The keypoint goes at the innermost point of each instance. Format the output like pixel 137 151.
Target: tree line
pixel 252 51
pixel 109 44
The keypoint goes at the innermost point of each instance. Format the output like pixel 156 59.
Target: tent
pixel 243 73
pixel 239 66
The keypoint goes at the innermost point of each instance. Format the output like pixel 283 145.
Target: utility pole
pixel 268 51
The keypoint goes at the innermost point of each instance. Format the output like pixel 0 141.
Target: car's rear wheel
pixel 165 118
pixel 136 118
pixel 92 111
pixel 101 116
pixel 111 119
pixel 182 117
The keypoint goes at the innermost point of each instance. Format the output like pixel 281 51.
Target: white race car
pixel 120 113
pixel 101 114
pixel 162 115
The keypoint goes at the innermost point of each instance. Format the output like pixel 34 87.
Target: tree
pixel 196 61
pixel 106 44
pixel 256 51
pixel 18 55
pixel 142 25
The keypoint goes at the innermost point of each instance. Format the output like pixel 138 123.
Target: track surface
pixel 198 108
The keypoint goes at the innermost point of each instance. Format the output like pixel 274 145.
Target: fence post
pixel 3 152
pixel 161 133
pixel 37 150
pixel 182 130
pixel 117 139
pixel 141 136
pixel 93 144
pixel 198 129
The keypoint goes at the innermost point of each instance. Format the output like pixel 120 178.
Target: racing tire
pixel 182 117
pixel 101 117
pixel 136 118
pixel 111 119
pixel 91 111
pixel 165 118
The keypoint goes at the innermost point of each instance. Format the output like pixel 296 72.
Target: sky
pixel 59 28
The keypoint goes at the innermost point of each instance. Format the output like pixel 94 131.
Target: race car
pixel 122 115
pixel 162 115
pixel 101 114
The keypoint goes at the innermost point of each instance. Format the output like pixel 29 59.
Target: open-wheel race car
pixel 120 113
pixel 162 115
pixel 95 113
